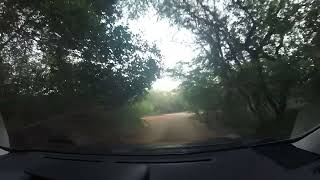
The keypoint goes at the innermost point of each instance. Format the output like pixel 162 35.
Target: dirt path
pixel 174 128
pixel 166 129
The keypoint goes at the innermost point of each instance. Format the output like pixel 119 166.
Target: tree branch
pixel 17 31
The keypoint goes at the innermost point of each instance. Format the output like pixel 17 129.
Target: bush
pixel 128 117
pixel 160 102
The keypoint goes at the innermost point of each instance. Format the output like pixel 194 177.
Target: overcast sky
pixel 175 44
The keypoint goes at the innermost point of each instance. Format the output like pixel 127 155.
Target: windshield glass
pixel 98 74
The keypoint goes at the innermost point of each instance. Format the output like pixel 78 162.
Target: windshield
pixel 98 74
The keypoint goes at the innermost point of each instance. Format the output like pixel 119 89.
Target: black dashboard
pixel 279 161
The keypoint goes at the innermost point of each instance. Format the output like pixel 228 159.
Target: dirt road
pixel 174 128
pixel 166 129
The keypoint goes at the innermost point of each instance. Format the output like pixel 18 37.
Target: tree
pixel 72 48
pixel 58 56
pixel 254 48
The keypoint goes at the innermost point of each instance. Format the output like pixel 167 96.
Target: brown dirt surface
pixel 175 128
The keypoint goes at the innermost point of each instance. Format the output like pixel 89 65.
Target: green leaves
pixel 75 49
pixel 255 49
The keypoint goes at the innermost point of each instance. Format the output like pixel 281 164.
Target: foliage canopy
pixel 71 48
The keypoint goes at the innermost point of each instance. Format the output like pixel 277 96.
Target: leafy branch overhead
pixel 262 52
pixel 72 48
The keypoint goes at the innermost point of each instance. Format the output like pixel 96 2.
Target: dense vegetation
pixel 162 102
pixel 57 55
pixel 255 56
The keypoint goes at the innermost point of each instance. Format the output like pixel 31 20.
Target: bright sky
pixel 175 44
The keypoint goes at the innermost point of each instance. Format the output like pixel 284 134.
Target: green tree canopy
pixel 264 51
pixel 72 48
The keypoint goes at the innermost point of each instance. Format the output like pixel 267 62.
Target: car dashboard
pixel 278 161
